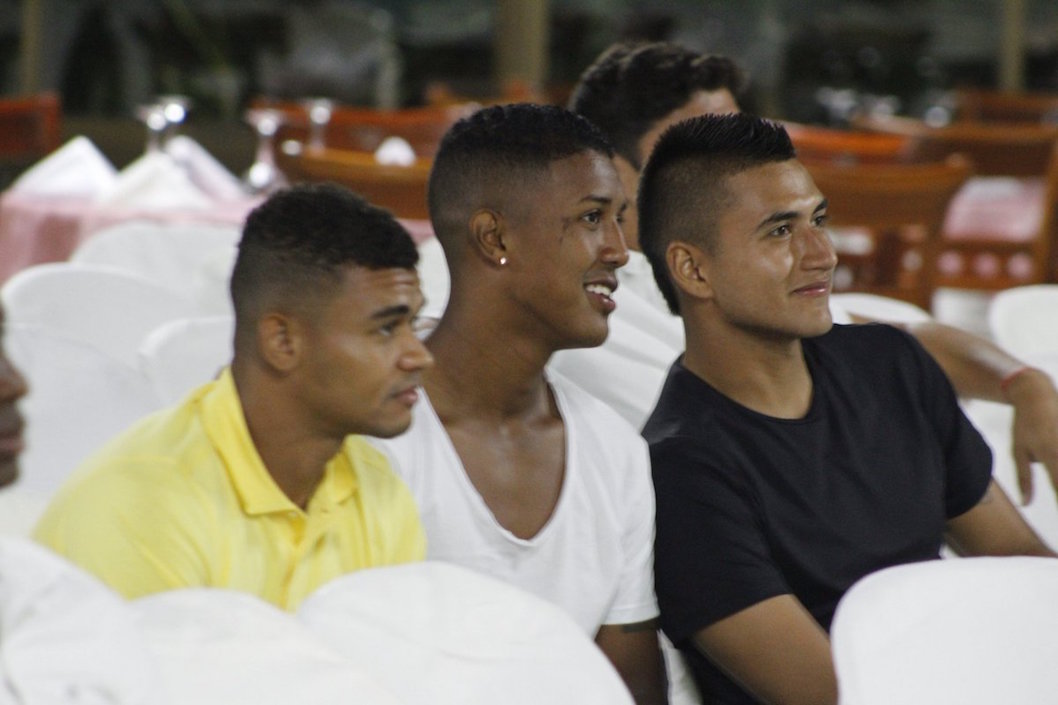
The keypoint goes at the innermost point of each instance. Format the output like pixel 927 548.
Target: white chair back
pixel 1024 320
pixel 879 308
pixel 221 647
pixel 441 634
pixel 973 631
pixel 180 355
pixel 79 397
pixel 188 258
pixel 108 308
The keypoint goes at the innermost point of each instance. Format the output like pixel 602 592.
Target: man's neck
pixel 769 376
pixel 295 458
pixel 484 370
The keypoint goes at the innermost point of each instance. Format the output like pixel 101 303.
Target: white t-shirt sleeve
pixel 635 600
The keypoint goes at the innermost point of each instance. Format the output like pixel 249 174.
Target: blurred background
pixel 812 61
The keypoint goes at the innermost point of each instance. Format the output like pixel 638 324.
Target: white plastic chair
pixel 1023 320
pixel 441 634
pixel 108 308
pixel 224 647
pixel 183 257
pixel 880 308
pixel 973 631
pixel 79 397
pixel 185 353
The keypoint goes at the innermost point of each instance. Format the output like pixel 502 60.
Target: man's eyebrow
pixel 781 216
pixel 601 200
pixel 391 311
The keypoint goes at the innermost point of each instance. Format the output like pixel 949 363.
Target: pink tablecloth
pixel 36 229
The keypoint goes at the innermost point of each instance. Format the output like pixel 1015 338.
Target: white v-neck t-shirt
pixel 593 557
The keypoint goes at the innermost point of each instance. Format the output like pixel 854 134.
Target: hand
pixel 1034 398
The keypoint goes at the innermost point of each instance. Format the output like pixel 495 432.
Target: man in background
pixel 633 93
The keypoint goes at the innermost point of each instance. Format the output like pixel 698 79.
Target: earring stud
pixel 503 260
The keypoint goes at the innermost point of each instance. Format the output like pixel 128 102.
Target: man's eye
pixel 594 217
pixel 821 220
pixel 781 231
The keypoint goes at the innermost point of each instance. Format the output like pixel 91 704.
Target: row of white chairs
pixel 136 319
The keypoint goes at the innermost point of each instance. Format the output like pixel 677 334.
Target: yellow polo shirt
pixel 182 499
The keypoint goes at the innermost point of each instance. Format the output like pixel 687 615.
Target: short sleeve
pixel 131 530
pixel 966 455
pixel 711 556
pixel 635 601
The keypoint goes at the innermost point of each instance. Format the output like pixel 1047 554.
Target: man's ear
pixel 688 268
pixel 280 340
pixel 487 235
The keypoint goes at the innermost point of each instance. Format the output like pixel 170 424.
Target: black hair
pixel 683 187
pixel 495 150
pixel 631 86
pixel 296 245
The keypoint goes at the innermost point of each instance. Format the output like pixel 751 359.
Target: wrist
pixel 1021 377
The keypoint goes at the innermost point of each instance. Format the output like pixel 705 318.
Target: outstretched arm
pixel 978 369
pixel 634 651
pixel 774 650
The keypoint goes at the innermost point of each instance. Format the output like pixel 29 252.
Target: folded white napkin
pixel 154 181
pixel 395 151
pixel 208 174
pixel 77 168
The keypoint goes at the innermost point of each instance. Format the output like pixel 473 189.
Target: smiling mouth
pixel 603 294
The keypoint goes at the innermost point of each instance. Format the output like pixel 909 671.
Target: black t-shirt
pixel 750 506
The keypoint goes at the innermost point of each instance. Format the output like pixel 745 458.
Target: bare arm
pixel 994 527
pixel 634 651
pixel 976 368
pixel 776 651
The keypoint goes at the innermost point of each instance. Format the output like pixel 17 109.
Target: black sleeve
pixel 711 557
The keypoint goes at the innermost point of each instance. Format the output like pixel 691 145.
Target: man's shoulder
pixel 586 412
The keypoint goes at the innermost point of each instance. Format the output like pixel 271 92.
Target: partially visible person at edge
pixel 64 636
pixel 518 473
pixel 791 456
pixel 633 92
pixel 260 480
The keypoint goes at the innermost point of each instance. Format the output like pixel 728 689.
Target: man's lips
pixel 408 395
pixel 814 289
pixel 601 291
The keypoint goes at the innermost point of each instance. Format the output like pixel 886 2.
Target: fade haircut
pixel 296 246
pixel 631 86
pixel 684 184
pixel 493 154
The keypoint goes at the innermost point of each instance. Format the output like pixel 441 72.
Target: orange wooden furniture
pixel 1002 227
pixel 30 129
pixel 991 105
pixel 364 129
pixel 399 189
pixel 815 143
pixel 886 220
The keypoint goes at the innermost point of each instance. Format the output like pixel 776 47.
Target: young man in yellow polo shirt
pixel 256 481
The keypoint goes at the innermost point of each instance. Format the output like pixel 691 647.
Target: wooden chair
pixel 990 105
pixel 1001 228
pixel 400 189
pixel 364 129
pixel 886 221
pixel 30 129
pixel 815 143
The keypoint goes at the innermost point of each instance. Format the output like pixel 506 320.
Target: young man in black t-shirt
pixel 791 456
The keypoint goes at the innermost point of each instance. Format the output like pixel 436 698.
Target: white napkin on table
pixel 208 174
pixel 154 181
pixel 77 168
